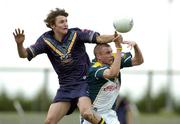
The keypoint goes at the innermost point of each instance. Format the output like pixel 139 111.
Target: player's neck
pixel 102 63
pixel 58 37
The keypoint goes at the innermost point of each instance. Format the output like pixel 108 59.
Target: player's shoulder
pixel 74 29
pixel 47 34
pixel 80 30
pixel 126 55
pixel 50 32
pixel 97 65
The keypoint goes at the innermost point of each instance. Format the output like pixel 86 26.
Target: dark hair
pixel 50 20
pixel 98 47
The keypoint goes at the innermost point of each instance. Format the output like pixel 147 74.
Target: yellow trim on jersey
pixel 52 47
pixel 72 43
pixel 102 121
pixel 114 55
pixel 56 50
pixel 97 64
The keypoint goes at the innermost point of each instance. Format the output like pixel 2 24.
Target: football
pixel 123 25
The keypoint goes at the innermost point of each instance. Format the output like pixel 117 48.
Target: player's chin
pixel 64 31
pixel 110 62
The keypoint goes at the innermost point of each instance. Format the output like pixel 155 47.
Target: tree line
pixel 42 100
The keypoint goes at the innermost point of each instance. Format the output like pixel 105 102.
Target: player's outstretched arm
pixel 138 57
pixel 19 38
pixel 105 38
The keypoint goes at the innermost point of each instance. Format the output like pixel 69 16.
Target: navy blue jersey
pixel 71 65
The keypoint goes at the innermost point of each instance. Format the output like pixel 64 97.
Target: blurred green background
pixel 38 118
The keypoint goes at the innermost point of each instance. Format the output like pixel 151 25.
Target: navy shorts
pixel 71 94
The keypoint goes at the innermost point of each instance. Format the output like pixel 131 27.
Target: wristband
pixel 119 48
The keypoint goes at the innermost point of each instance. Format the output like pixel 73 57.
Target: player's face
pixel 61 25
pixel 106 55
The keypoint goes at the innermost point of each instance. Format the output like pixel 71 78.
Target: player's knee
pixel 49 121
pixel 87 114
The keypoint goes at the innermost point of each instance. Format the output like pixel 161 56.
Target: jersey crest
pixel 63 51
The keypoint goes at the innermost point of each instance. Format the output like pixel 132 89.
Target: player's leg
pixel 84 105
pixel 56 112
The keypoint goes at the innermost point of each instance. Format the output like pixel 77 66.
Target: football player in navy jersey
pixel 66 51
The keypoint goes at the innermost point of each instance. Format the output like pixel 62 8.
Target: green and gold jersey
pixel 103 91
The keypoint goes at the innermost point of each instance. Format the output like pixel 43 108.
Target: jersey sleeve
pixel 126 60
pixel 87 36
pixel 98 71
pixel 38 48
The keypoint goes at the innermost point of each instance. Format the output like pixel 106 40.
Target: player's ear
pixel 98 57
pixel 52 26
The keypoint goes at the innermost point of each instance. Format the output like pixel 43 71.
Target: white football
pixel 123 24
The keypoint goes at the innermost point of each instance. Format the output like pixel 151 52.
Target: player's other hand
pixel 130 44
pixel 19 36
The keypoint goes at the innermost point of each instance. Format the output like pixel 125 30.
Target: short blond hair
pixel 98 47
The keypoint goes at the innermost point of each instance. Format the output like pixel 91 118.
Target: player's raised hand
pixel 19 36
pixel 118 39
pixel 130 44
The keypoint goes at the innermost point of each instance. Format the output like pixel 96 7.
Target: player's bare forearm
pixel 138 57
pixel 21 51
pixel 115 67
pixel 105 38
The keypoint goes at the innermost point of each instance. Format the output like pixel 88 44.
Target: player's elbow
pixel 22 56
pixel 137 61
pixel 140 61
pixel 98 39
pixel 88 115
pixel 115 73
pixel 112 73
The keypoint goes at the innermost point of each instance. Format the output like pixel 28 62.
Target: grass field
pixel 38 118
